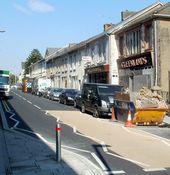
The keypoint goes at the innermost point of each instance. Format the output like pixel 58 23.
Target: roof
pixel 144 13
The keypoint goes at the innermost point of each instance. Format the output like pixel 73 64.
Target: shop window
pixel 133 42
pixel 148 36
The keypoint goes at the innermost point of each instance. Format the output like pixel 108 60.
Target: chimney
pixel 126 14
pixel 107 26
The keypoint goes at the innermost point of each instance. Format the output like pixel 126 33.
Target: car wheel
pixel 75 104
pixel 83 110
pixel 65 101
pixel 96 113
pixel 59 100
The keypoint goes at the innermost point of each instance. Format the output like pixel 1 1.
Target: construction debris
pixel 148 99
pixel 150 108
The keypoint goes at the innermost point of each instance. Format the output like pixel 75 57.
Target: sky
pixel 40 24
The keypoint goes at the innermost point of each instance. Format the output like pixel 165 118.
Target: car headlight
pixel 69 98
pixel 104 104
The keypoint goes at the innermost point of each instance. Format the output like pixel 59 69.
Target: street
pixel 109 145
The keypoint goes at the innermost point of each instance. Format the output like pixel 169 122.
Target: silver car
pixel 54 93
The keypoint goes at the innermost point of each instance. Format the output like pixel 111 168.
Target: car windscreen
pixel 71 92
pixel 109 90
pixel 58 90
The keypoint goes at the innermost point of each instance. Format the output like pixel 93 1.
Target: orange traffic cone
pixel 113 118
pixel 129 120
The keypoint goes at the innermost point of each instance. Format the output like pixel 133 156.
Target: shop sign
pixel 139 61
pixel 86 58
pixel 102 68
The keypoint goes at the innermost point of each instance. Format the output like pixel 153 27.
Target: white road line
pixel 4 121
pixel 37 106
pixel 154 169
pixel 77 149
pixel 130 160
pixel 24 98
pixel 114 172
pixel 6 106
pixel 149 135
pixel 29 101
pixel 104 168
pixel 104 147
pixel 42 138
pixel 46 112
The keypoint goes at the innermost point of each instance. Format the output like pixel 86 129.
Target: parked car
pixel 54 93
pixel 99 98
pixel 46 92
pixel 77 100
pixel 67 96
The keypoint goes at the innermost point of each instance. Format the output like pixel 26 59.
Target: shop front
pixel 136 71
pixel 98 74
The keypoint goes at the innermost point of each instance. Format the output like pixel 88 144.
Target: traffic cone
pixel 113 118
pixel 129 120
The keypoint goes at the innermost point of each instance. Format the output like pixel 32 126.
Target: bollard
pixel 58 142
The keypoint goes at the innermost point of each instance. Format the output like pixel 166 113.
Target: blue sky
pixel 38 24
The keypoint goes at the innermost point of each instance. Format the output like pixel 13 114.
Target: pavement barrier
pixel 58 142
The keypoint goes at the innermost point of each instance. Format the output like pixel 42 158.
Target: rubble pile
pixel 148 99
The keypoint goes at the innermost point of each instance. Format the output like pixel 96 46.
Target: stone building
pixel 143 42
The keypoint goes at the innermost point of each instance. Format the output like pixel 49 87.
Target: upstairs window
pixel 148 36
pixel 121 45
pixel 133 42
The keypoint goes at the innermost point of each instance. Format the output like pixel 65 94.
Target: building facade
pixel 87 61
pixel 143 42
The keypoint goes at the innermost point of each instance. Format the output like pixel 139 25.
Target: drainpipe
pixel 109 58
pixel 155 53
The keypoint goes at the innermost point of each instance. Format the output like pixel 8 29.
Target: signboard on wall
pixel 86 58
pixel 137 61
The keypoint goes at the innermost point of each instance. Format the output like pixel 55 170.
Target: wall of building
pixel 164 54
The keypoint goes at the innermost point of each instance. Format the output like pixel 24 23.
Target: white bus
pixel 4 83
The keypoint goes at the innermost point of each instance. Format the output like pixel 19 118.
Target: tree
pixel 13 79
pixel 32 58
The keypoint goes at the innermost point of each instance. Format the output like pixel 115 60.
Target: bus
pixel 4 83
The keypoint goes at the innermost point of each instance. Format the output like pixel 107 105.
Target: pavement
pixel 22 154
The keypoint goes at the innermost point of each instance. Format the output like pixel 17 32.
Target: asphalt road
pixel 27 113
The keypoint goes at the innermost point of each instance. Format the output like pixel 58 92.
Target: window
pixel 133 42
pixel 121 45
pixel 148 36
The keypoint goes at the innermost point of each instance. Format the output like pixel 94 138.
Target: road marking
pixel 6 106
pixel 115 172
pixel 46 112
pixel 37 106
pixel 104 168
pixel 154 169
pixel 149 135
pixel 29 101
pixel 104 147
pixel 4 121
pixel 130 160
pixel 24 98
pixel 77 149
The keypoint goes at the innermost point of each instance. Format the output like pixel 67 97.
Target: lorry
pixel 4 83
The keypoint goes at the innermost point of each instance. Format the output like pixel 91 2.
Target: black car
pixel 67 96
pixel 77 100
pixel 99 98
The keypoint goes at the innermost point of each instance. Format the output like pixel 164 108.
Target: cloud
pixel 39 6
pixel 22 9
